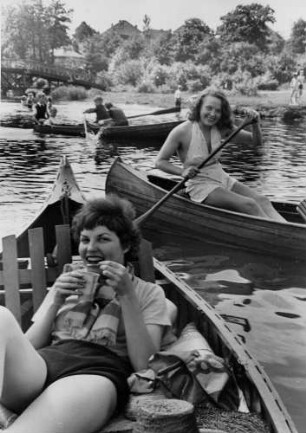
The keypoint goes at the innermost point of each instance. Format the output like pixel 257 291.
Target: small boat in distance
pixel 158 129
pixel 200 221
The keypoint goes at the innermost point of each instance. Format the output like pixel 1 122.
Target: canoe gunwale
pixel 287 240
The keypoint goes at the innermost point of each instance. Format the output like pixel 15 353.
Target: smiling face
pixel 100 244
pixel 211 111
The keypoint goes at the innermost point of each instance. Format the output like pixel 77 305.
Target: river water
pixel 267 293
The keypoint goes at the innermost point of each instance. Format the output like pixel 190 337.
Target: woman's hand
pixel 253 115
pixel 67 284
pixel 117 277
pixel 190 172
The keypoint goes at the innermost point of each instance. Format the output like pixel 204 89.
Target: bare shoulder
pixel 181 131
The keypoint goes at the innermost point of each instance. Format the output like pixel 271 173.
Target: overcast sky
pixel 170 14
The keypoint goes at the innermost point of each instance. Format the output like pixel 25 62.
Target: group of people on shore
pixel 296 86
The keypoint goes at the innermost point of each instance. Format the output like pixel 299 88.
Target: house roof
pixel 67 52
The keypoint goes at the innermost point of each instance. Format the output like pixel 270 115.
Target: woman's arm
pixel 170 148
pixel 142 340
pixel 254 137
pixel 66 285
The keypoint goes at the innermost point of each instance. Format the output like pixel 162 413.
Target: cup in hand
pixel 91 285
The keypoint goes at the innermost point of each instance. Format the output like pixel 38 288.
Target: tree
pixel 188 37
pixel 34 31
pixel 247 23
pixel 146 25
pixel 84 32
pixel 163 49
pixel 57 18
pixel 297 40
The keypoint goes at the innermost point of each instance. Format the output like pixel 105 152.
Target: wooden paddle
pixel 90 137
pixel 154 113
pixel 180 184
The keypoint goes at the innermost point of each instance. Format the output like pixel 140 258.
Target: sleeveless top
pixel 212 175
pixel 198 149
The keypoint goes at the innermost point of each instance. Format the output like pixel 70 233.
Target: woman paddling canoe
pixel 210 121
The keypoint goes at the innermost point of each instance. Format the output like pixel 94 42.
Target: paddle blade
pixel 91 137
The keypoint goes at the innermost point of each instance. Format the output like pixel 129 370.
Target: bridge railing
pixel 62 73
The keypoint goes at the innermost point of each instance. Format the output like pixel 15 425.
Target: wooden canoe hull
pixel 60 206
pixel 260 394
pixel 62 129
pixel 203 222
pixel 152 131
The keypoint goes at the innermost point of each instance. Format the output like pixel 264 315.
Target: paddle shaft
pixel 154 113
pixel 180 184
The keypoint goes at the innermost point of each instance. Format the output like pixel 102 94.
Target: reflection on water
pixel 264 297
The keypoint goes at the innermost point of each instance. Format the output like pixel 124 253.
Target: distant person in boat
pixel 23 101
pixel 210 121
pixel 30 100
pixel 69 372
pixel 117 115
pixel 294 90
pixel 178 97
pixel 300 85
pixel 41 112
pixel 52 117
pixel 99 109
pixel 49 104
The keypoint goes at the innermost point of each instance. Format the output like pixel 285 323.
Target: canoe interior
pixel 287 210
pixel 260 395
pixel 51 216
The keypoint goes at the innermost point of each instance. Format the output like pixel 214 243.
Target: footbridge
pixel 18 74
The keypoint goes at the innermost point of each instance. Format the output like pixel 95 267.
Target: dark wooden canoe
pixel 205 222
pixel 76 130
pixel 258 390
pixel 59 208
pixel 134 131
pixel 150 131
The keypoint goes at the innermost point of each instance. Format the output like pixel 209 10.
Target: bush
pixel 130 72
pixel 146 87
pixel 104 79
pixel 71 93
pixel 268 85
pixel 60 93
pixel 195 85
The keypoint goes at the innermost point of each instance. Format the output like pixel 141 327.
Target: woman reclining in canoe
pixel 68 373
pixel 210 121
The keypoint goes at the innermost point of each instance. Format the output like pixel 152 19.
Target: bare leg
pixel 74 404
pixel 262 201
pixel 22 370
pixel 233 201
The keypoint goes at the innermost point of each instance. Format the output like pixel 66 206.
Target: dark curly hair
pixel 226 120
pixel 117 215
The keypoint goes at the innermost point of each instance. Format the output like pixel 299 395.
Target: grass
pixel 264 98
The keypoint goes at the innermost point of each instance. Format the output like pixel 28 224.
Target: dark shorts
pixel 71 357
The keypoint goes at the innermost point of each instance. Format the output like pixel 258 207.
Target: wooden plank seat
pixel 29 278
